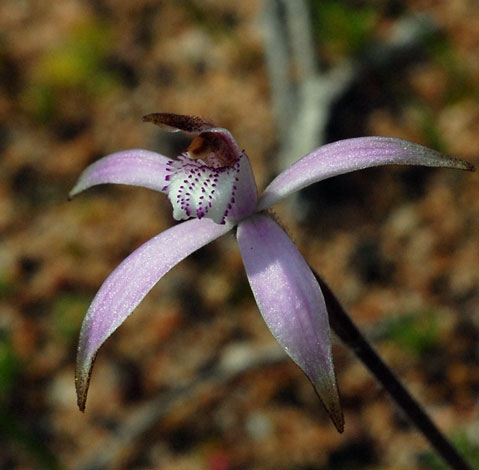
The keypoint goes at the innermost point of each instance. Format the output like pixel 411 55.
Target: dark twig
pixel 347 331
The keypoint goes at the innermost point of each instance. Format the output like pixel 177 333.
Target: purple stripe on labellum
pixel 192 181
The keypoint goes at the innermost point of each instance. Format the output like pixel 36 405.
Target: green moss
pixel 40 101
pixel 77 65
pixel 68 310
pixel 462 83
pixel 467 448
pixel 79 60
pixel 6 287
pixel 342 29
pixel 9 368
pixel 31 442
pixel 417 333
pixel 428 124
pixel 208 18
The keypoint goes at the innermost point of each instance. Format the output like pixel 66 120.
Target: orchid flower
pixel 212 185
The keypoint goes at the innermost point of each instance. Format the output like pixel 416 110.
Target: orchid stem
pixel 347 331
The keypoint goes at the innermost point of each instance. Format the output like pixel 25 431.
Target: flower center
pixel 198 189
pixel 214 149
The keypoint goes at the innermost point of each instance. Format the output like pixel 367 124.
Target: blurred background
pixel 194 380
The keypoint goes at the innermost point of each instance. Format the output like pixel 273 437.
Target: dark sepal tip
pixel 179 122
pixel 469 167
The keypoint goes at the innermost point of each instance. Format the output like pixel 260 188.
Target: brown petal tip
pixel 82 392
pixel 331 401
pixel 82 383
pixel 468 166
pixel 337 417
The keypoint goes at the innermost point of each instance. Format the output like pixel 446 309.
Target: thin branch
pixel 301 100
pixel 302 95
pixel 301 38
pixel 277 63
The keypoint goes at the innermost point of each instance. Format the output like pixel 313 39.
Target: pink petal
pixel 351 155
pixel 126 286
pixel 246 196
pixel 135 167
pixel 291 302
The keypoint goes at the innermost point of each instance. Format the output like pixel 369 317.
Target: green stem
pixel 347 331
